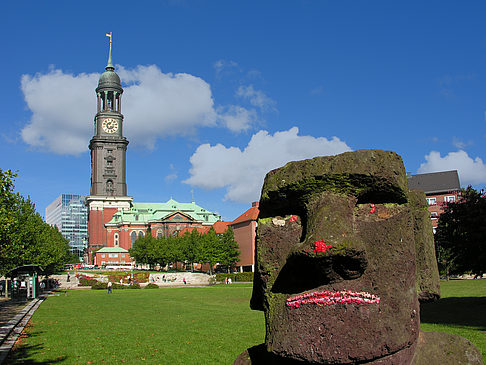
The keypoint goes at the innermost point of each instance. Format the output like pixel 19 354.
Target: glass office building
pixel 70 214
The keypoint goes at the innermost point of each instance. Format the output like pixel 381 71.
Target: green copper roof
pixel 112 249
pixel 149 212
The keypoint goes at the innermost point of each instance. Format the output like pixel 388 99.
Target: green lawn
pixel 209 325
pixel 460 311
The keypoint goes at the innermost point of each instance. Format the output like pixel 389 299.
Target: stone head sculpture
pixel 336 259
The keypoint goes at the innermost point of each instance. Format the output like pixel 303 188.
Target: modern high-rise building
pixel 70 214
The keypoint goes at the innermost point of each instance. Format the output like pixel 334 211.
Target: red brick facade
pixel 244 228
pixel 437 202
pixel 106 258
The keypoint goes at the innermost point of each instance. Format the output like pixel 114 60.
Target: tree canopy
pixel 461 235
pixel 192 247
pixel 24 236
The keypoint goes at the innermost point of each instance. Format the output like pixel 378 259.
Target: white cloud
pixel 155 105
pixel 459 144
pixel 224 67
pixel 63 107
pixel 242 171
pixel 471 172
pixel 256 98
pixel 237 118
pixel 170 178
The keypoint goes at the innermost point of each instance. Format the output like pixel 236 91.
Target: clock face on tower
pixel 110 125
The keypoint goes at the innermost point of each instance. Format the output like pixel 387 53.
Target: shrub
pixel 84 281
pixel 99 286
pixel 241 276
pixel 141 277
pixel 133 286
pixel 151 286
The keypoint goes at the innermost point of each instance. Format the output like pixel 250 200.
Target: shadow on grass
pixel 23 353
pixel 463 311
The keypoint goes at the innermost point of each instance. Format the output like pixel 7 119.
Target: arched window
pixel 116 239
pixel 109 187
pixel 140 234
pixel 133 237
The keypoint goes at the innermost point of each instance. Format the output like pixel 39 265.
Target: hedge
pixel 84 281
pixel 104 286
pixel 151 286
pixel 241 276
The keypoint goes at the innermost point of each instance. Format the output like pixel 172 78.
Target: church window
pixel 140 234
pixel 116 239
pixel 133 237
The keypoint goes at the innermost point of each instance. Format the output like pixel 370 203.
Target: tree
pixel 144 250
pixel 24 237
pixel 461 234
pixel 211 252
pixel 230 249
pixel 191 247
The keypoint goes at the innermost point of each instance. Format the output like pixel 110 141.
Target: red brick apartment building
pixel 244 228
pixel 439 188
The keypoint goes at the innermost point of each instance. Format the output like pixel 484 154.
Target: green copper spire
pixel 109 66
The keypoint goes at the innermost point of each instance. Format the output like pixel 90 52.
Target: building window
pixel 116 239
pixel 109 187
pixel 113 255
pixel 432 201
pixel 133 237
pixel 103 255
pixel 140 234
pixel 159 233
pixel 433 215
pixel 450 199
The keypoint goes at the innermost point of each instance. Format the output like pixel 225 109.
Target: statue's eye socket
pixel 373 196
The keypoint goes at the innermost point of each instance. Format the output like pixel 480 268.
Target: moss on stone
pixel 427 283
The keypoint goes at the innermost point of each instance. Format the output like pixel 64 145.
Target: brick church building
pixel 114 220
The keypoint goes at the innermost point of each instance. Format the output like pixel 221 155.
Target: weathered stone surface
pixel 428 283
pixel 444 348
pixel 431 348
pixel 336 259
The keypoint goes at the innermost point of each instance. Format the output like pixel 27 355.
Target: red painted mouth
pixel 325 298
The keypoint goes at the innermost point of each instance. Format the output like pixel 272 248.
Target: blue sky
pixel 217 93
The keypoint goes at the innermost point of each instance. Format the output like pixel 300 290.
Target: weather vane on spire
pixel 110 63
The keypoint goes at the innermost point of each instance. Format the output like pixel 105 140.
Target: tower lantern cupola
pixel 109 88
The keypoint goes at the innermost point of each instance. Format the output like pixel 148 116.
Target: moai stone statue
pixel 336 266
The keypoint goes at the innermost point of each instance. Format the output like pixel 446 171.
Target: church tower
pixel 108 192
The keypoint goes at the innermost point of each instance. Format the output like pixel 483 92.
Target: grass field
pixel 460 311
pixel 209 325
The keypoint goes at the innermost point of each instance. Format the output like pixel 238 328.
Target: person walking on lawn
pixel 109 288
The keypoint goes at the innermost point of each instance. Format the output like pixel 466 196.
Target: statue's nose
pixel 303 271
